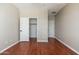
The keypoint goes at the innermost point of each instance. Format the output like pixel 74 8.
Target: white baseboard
pixel 42 40
pixel 24 40
pixel 9 46
pixel 67 46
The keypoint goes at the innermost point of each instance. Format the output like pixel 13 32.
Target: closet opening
pixel 33 29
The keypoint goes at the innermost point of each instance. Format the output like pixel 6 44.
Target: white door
pixel 33 31
pixel 24 29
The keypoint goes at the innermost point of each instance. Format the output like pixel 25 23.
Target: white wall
pixel 42 26
pixel 42 20
pixel 51 26
pixel 67 25
pixel 8 25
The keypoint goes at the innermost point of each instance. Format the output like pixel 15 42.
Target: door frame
pixel 29 25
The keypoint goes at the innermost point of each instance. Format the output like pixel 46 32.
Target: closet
pixel 32 27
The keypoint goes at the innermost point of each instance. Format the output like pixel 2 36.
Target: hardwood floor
pixel 53 47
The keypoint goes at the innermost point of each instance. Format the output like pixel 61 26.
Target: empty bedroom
pixel 39 28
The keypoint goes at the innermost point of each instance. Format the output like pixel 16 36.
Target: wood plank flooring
pixel 53 47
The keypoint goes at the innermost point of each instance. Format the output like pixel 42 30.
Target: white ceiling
pixel 49 6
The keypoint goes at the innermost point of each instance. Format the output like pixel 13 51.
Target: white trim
pixel 25 40
pixel 9 47
pixel 42 40
pixel 67 46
